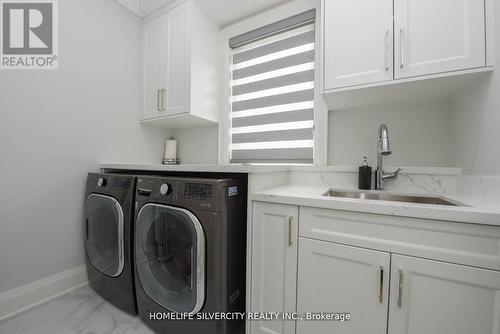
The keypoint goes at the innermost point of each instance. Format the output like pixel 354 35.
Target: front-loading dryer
pixel 108 218
pixel 190 237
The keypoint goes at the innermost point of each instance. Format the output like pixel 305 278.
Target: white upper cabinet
pixel 358 42
pixel 180 68
pixel 176 97
pixel 440 298
pixel 434 36
pixel 381 51
pixel 153 66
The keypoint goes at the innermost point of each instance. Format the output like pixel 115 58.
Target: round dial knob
pixel 101 182
pixel 164 189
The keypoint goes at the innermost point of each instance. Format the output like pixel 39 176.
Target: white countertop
pixel 234 168
pixel 476 212
pixel 265 168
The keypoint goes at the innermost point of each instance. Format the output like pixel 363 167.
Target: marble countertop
pixel 234 168
pixel 476 212
pixel 256 168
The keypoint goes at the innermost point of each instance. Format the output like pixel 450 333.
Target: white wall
pixel 476 120
pixel 55 126
pixel 419 134
pixel 476 125
pixel 197 145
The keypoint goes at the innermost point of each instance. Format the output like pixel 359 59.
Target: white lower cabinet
pixel 337 278
pixel 274 265
pixel 349 263
pixel 432 297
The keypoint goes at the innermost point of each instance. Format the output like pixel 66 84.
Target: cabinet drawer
pixel 469 244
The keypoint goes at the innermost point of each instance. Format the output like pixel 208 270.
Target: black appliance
pixel 190 251
pixel 108 235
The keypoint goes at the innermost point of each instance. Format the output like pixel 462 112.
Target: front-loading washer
pixel 108 216
pixel 190 250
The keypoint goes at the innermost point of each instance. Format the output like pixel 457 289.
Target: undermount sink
pixel 381 196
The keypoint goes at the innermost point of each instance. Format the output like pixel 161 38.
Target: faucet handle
pixel 396 173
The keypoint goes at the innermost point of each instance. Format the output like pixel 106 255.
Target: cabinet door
pixel 434 36
pixel 336 278
pixel 358 42
pixel 274 265
pixel 440 298
pixel 175 84
pixel 153 67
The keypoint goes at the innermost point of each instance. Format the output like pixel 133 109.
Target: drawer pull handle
pixel 381 286
pixel 144 192
pixel 387 49
pixel 163 91
pixel 400 289
pixel 402 46
pixel 158 92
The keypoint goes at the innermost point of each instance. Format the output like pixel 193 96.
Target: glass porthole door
pixel 170 257
pixel 104 234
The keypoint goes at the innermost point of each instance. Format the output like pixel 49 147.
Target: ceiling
pixel 223 12
pixel 226 12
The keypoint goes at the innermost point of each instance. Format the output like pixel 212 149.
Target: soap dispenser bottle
pixel 365 176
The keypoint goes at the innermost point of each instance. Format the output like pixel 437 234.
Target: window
pixel 272 93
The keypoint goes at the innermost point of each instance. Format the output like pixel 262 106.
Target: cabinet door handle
pixel 381 286
pixel 163 91
pixel 387 49
pixel 290 241
pixel 158 100
pixel 400 289
pixel 402 46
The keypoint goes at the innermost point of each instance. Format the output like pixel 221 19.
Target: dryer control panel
pixel 196 193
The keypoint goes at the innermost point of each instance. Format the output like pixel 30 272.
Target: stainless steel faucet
pixel 384 148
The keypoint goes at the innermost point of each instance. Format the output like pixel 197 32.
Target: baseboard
pixel 30 295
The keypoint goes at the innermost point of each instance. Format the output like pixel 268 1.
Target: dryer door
pixel 170 257
pixel 104 234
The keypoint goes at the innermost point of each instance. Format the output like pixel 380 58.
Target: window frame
pixel 320 108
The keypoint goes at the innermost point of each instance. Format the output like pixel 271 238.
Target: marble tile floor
pixel 80 311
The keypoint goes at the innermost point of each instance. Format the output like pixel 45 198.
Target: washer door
pixel 104 234
pixel 170 257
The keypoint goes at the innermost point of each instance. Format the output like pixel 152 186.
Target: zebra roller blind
pixel 272 93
